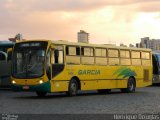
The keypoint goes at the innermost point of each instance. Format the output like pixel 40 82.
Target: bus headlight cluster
pixel 41 81
pixel 13 82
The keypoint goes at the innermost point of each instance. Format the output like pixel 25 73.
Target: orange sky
pixel 107 21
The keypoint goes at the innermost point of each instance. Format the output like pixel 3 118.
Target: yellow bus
pixel 47 66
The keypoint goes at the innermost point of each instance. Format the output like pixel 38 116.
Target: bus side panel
pixel 59 86
pixel 5 73
pixel 101 77
pixel 103 84
pixel 146 77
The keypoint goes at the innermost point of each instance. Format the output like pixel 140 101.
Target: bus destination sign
pixel 30 45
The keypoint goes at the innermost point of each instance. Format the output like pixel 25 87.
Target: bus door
pixel 57 60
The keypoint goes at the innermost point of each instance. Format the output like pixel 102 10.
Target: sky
pixel 107 21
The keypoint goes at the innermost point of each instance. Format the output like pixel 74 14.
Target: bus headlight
pixel 13 82
pixel 41 81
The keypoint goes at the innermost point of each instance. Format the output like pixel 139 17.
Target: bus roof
pixel 64 42
pixel 98 45
pixel 6 43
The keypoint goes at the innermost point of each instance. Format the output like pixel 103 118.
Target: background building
pixel 18 37
pixel 130 45
pixel 83 36
pixel 122 45
pixel 146 42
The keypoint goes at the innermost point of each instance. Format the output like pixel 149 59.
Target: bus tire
pixel 103 91
pixel 72 88
pixel 41 94
pixel 131 85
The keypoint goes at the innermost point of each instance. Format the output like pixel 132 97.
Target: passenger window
pixel 113 53
pixel 87 51
pixel 73 55
pixel 136 54
pixel 60 57
pixel 57 57
pixel 72 50
pixel 124 54
pixel 87 56
pixel 145 55
pixel 100 52
pixel 136 58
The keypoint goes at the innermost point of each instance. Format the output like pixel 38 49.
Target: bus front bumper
pixel 45 87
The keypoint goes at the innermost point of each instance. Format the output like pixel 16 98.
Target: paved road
pixel 145 100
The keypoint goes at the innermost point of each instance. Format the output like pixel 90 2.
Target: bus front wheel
pixel 41 94
pixel 73 88
pixel 131 85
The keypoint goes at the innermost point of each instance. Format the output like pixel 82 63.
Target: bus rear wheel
pixel 41 94
pixel 131 85
pixel 73 88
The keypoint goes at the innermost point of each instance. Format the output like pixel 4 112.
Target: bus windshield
pixel 28 62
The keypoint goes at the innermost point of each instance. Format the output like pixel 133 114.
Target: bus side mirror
pixel 9 54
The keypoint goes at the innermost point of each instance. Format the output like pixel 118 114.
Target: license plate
pixel 25 87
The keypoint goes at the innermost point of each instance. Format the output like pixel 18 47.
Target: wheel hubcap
pixel 131 86
pixel 73 88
